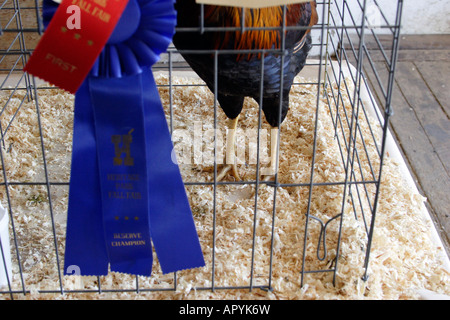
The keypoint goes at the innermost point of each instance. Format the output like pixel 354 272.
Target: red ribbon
pixel 65 56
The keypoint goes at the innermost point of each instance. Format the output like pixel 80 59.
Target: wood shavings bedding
pixel 403 260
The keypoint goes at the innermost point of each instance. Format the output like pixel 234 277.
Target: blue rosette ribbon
pixel 125 191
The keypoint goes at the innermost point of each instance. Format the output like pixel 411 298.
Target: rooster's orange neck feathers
pixel 249 39
pixel 255 18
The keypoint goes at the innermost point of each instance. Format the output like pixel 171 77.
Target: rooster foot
pixel 268 178
pixel 225 170
pixel 268 174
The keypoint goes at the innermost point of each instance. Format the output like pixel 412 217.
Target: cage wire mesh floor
pixel 340 221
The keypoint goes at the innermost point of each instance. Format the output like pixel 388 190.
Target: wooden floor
pixel 421 103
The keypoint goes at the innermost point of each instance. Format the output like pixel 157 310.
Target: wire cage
pixel 329 197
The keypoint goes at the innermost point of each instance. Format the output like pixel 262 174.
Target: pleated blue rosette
pixel 125 191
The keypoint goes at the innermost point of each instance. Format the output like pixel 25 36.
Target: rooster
pixel 242 54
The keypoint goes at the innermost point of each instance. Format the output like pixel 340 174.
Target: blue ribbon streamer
pixel 122 159
pixel 85 241
pixel 171 223
pixel 115 208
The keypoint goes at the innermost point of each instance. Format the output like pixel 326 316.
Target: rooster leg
pixel 230 160
pixel 269 172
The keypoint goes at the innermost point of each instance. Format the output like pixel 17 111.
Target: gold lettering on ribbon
pixel 96 8
pixel 127 240
pixel 63 65
pixel 124 186
pixel 126 141
pixel 101 3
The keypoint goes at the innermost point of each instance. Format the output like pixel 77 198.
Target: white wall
pixel 419 16
pixel 426 17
